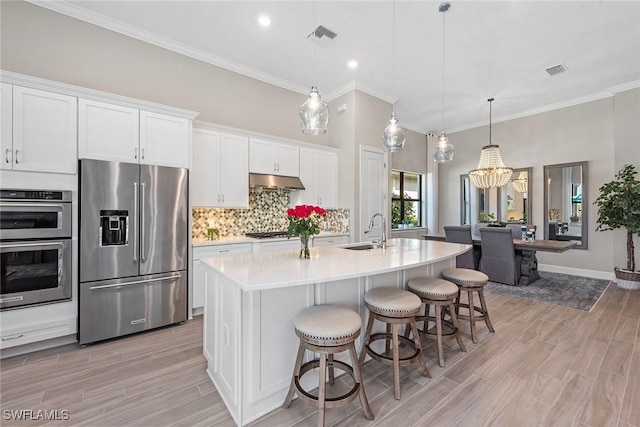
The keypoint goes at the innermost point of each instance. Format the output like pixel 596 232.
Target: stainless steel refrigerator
pixel 133 248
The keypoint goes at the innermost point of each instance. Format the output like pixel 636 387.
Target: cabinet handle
pixel 223 198
pixel 278 165
pixel 15 337
pixel 221 251
pixel 17 158
pixel 135 153
pixel 274 167
pixel 6 155
pixel 218 197
pixel 142 150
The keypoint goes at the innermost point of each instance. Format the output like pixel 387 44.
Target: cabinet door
pixel 263 156
pixel 288 160
pixel 164 140
pixel 6 133
pixel 205 169
pixel 309 178
pixel 107 132
pixel 234 171
pixel 199 282
pixel 45 132
pixel 327 184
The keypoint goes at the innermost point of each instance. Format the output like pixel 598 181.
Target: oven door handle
pixel 32 205
pixel 31 245
pixel 136 282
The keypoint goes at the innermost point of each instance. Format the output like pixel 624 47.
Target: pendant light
pixel 393 136
pixel 491 171
pixel 520 183
pixel 314 113
pixel 443 150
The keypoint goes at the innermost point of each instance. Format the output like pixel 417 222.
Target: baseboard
pixel 594 274
pixel 36 346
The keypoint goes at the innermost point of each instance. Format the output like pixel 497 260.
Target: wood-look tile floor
pixel 545 366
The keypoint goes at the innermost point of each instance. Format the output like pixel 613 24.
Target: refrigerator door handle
pixel 135 218
pixel 143 186
pixel 136 282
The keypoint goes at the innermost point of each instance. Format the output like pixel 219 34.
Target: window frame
pixel 402 200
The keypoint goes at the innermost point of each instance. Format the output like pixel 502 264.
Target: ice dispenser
pixel 114 228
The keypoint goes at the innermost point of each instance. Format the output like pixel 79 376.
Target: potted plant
pixel 619 207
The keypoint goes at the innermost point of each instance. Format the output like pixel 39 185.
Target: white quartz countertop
pixel 279 269
pixel 244 239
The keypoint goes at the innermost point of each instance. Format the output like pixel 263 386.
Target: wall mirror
pixel 515 197
pixel 565 195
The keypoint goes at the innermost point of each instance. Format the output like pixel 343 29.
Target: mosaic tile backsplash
pixel 267 212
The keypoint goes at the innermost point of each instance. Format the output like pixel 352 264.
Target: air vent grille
pixel 322 35
pixel 557 69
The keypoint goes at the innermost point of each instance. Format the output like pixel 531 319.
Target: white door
pixel 373 191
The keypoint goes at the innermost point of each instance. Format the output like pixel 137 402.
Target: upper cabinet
pixel 319 175
pixel 39 130
pixel 116 133
pixel 274 158
pixel 220 169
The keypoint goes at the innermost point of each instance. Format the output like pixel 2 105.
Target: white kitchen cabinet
pixel 319 241
pixel 164 140
pixel 116 133
pixel 199 276
pixel 220 169
pixel 269 157
pixel 107 131
pixel 277 245
pixel 39 130
pixel 319 175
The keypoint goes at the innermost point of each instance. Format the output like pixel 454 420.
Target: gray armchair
pixel 462 234
pixel 499 258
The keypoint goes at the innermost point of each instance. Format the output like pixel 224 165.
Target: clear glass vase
pixel 304 247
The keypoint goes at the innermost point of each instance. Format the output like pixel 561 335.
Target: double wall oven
pixel 35 247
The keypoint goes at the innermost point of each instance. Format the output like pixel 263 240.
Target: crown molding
pixel 624 87
pixel 119 27
pixel 96 95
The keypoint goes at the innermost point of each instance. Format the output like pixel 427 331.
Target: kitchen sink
pixel 363 246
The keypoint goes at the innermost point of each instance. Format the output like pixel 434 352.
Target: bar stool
pixel 439 293
pixel 327 330
pixel 470 281
pixel 394 307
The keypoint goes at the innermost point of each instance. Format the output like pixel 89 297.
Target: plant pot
pixel 626 279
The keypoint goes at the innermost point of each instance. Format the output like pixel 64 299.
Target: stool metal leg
pixel 296 374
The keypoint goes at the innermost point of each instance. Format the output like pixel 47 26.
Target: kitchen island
pixel 251 300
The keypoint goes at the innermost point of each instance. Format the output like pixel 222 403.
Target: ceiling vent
pixel 557 69
pixel 322 36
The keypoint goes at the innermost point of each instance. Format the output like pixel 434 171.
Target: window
pixel 406 200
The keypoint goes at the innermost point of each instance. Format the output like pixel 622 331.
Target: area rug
pixel 560 289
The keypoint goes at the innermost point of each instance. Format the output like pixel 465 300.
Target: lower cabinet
pixel 199 276
pixel 278 245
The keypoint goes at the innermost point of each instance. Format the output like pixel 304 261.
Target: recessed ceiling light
pixel 264 20
pixel 352 64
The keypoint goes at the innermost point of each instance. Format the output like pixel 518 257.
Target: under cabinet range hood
pixel 275 181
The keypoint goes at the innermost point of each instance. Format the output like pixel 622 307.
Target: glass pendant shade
pixel 393 136
pixel 443 151
pixel 520 183
pixel 491 171
pixel 314 114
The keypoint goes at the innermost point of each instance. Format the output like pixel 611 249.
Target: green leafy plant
pixel 619 207
pixel 487 217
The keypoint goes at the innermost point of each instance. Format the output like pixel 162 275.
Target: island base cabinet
pixel 250 342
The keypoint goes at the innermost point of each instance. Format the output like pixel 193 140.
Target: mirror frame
pixel 528 205
pixel 465 188
pixel 585 200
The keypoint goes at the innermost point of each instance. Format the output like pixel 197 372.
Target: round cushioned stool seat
pixel 327 322
pixel 465 277
pixel 433 288
pixel 392 301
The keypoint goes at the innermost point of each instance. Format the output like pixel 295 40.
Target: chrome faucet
pixel 382 242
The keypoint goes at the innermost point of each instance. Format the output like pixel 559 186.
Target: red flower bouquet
pixel 304 221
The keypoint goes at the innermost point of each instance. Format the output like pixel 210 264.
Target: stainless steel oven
pixel 35 247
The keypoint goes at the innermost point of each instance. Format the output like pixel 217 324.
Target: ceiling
pixel 497 49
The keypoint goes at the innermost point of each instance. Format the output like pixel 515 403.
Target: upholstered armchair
pixel 462 234
pixel 499 258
